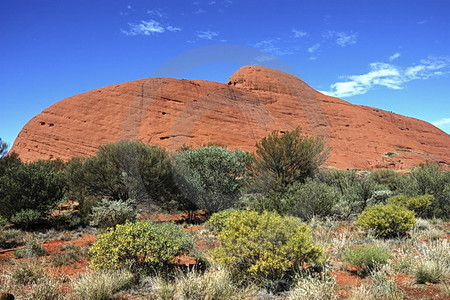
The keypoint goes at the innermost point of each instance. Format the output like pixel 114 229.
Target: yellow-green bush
pixel 387 220
pixel 140 244
pixel 413 203
pixel 264 247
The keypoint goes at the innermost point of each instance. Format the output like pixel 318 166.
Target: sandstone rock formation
pixel 255 101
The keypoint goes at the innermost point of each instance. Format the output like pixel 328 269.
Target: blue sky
pixel 394 55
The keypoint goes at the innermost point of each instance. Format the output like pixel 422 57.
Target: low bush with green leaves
pixel 26 218
pixel 142 244
pixel 110 213
pixel 366 258
pixel 416 203
pixel 387 220
pixel 265 247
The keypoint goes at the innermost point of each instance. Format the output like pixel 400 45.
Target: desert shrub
pixel 102 285
pixel 211 177
pixel 391 179
pixel 71 254
pixel 142 244
pixel 428 271
pixel 430 179
pixel 366 258
pixel 123 170
pixel 26 218
pixel 10 238
pixel 417 203
pixel 384 286
pixel 31 249
pixel 355 191
pixel 27 272
pixel 265 247
pixel 386 220
pixel 289 157
pixel 109 213
pixel 217 221
pixel 311 199
pixel 37 186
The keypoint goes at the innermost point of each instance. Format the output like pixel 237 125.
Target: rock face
pixel 255 101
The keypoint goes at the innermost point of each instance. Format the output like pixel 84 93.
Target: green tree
pixel 211 177
pixel 289 157
pixel 121 171
pixel 37 186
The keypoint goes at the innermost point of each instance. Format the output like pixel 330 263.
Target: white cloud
pixel 422 22
pixel 343 39
pixel 200 11
pixel 313 48
pixel 148 28
pixel 390 76
pixel 394 56
pixel 442 123
pixel 299 33
pixel 157 13
pixel 270 46
pixel 207 35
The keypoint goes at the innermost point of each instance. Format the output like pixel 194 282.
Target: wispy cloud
pixel 207 35
pixel 390 76
pixel 157 13
pixel 299 33
pixel 443 124
pixel 313 48
pixel 148 28
pixel 271 46
pixel 394 56
pixel 421 22
pixel 343 39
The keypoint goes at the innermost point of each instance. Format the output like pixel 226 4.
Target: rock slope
pixel 255 101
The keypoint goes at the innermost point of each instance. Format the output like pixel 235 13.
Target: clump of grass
pixel 311 288
pixel 72 253
pixel 46 288
pixel 102 285
pixel 366 258
pixel 385 287
pixel 27 272
pixel 10 238
pixel 428 271
pixel 31 249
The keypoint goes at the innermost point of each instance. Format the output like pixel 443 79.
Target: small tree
pixel 36 186
pixel 290 157
pixel 211 177
pixel 123 170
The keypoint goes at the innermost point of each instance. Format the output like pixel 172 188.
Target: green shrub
pixel 217 221
pixel 26 218
pixel 264 247
pixel 387 220
pixel 312 199
pixel 37 186
pixel 211 177
pixel 366 258
pixel 289 157
pixel 109 213
pixel 102 285
pixel 142 244
pixel 417 204
pixel 123 170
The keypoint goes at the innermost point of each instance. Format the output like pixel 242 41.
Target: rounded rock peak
pixel 261 78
